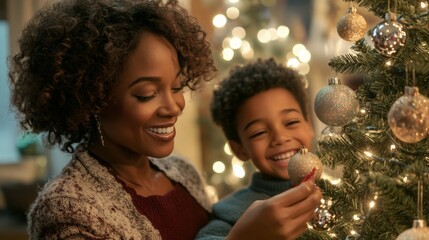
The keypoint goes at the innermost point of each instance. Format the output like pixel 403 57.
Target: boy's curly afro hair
pixel 246 81
pixel 71 53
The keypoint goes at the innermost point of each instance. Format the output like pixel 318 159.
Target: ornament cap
pixel 352 10
pixel 411 91
pixel 334 81
pixel 419 223
pixel 390 16
pixel 303 150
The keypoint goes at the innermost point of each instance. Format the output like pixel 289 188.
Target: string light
pixel 388 63
pixel 371 204
pixel 368 153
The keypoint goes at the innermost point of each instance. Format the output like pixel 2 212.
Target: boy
pixel 262 109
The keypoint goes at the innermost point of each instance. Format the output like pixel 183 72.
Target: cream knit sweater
pixel 86 202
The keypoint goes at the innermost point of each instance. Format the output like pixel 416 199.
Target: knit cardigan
pixel 227 211
pixel 86 202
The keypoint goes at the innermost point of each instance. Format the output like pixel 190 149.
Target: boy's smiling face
pixel 272 128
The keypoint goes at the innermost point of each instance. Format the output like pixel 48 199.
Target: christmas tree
pixel 377 135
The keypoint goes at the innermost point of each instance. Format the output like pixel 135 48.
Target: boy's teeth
pixel 161 130
pixel 284 156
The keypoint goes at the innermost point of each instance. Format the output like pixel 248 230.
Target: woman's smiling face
pixel 148 100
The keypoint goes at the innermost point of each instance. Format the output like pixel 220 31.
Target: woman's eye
pixel 177 89
pixel 145 98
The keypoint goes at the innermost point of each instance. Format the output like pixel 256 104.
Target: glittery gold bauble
pixel 408 117
pixel 302 164
pixel 388 36
pixel 336 104
pixel 324 218
pixel 351 26
pixel 419 231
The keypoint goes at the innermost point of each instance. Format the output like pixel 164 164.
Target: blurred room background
pixel 300 33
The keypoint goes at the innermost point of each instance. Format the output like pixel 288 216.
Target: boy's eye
pixel 292 123
pixel 257 134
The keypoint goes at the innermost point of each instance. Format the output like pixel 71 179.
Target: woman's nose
pixel 171 106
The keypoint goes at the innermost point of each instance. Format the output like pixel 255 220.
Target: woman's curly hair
pixel 71 53
pixel 246 81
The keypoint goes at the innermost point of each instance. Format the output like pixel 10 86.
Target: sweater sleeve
pixel 216 229
pixel 67 218
pixel 226 213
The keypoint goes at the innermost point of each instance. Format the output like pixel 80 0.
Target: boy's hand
pixel 283 216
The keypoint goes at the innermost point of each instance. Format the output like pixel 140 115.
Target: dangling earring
pixel 97 120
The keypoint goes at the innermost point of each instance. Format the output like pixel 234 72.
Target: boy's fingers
pixel 296 194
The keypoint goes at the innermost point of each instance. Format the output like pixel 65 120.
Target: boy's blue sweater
pixel 227 211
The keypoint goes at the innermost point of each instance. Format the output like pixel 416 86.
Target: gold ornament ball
pixel 302 164
pixel 351 26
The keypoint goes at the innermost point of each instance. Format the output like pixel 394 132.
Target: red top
pixel 176 215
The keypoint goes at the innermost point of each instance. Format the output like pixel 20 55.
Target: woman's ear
pixel 238 150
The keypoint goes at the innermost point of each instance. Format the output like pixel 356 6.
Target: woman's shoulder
pixel 175 165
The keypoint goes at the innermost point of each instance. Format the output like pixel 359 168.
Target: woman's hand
pixel 283 216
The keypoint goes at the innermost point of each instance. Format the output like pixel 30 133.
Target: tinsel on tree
pixel 383 149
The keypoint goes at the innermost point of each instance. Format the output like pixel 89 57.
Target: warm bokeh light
pixel 273 34
pixel 235 43
pixel 218 167
pixel 227 149
pixel 264 36
pixel 292 63
pixel 246 50
pixel 219 20
pixel 238 32
pixel 282 31
pixel 227 54
pixel 232 13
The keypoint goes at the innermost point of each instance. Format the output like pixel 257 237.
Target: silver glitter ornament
pixel 419 231
pixel 408 117
pixel 336 104
pixel 388 36
pixel 351 26
pixel 324 219
pixel 302 164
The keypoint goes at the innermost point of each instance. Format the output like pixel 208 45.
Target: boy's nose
pixel 280 139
